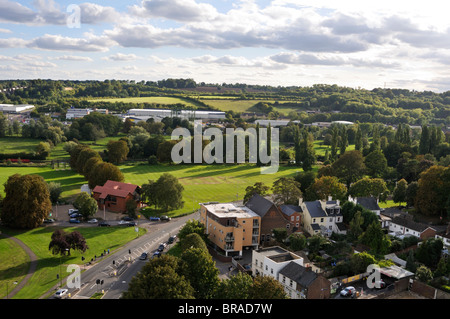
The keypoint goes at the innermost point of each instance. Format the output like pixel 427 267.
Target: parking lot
pixel 364 292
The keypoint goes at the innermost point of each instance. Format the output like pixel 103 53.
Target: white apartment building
pixel 270 260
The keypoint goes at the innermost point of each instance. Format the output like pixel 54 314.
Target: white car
pixel 93 221
pixel 348 291
pixel 60 293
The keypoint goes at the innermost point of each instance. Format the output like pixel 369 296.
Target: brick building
pixel 113 196
pixel 271 217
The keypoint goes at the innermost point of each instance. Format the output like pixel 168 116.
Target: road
pixel 116 276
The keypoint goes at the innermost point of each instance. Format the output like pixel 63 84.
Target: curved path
pixel 33 265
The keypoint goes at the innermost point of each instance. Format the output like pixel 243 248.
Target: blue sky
pixel 399 44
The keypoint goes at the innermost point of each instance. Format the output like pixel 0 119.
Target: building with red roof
pixel 113 196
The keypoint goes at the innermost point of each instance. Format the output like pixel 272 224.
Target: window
pixel 292 218
pixel 298 217
pixel 321 220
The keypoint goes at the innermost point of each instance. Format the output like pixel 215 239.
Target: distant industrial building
pixel 75 113
pixel 16 109
pixel 159 114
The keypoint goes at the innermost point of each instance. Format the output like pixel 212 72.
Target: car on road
pixel 172 239
pixel 103 224
pixel 348 291
pixel 154 218
pixel 60 293
pixel 49 220
pixel 127 218
pixel 93 221
pixel 143 256
pixel 74 221
pixel 165 218
pixel 162 246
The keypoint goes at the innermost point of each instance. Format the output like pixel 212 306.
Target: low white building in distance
pixel 15 109
pixel 75 113
pixel 159 114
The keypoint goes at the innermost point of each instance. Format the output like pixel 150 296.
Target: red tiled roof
pixel 115 188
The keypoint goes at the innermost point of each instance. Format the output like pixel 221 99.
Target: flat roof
pixel 230 210
pixel 396 272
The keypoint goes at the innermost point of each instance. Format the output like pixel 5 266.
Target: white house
pixel 405 226
pixel 322 217
pixel 270 260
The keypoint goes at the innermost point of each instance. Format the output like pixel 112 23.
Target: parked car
pixel 348 291
pixel 72 211
pixel 127 218
pixel 165 218
pixel 143 256
pixel 74 221
pixel 162 246
pixel 156 254
pixel 75 215
pixel 93 221
pixel 380 284
pixel 60 293
pixel 49 220
pixel 154 218
pixel 172 239
pixel 103 224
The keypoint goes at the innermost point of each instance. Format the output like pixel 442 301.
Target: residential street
pixel 115 277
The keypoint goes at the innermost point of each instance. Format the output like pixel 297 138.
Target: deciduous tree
pixel 27 201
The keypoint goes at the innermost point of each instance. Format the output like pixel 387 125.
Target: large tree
pixel 166 193
pixel 201 271
pixel 327 186
pixel 369 187
pixel 286 190
pixel 432 197
pixel 117 151
pixel 103 172
pixel 27 201
pixel 86 205
pixel 61 242
pixel 257 188
pixel 349 167
pixel 160 278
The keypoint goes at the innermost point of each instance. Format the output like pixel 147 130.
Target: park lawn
pixel 12 144
pixel 14 266
pixel 99 239
pixel 204 183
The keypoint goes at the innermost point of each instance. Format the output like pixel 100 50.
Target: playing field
pixel 202 183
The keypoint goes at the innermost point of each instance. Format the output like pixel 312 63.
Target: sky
pixel 358 44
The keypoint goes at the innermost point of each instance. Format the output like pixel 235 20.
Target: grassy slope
pixel 97 238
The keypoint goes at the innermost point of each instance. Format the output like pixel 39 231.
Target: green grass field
pixel 18 144
pixel 148 99
pixel 14 265
pixel 97 238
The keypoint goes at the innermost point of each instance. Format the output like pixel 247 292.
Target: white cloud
pixel 121 57
pixel 178 10
pixel 73 58
pixel 57 42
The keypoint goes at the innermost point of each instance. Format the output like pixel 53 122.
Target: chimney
pixel 300 201
pixel 330 198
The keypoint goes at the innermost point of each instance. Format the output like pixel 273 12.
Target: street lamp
pixel 7 291
pixel 60 274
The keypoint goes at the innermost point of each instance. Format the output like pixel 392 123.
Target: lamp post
pixel 7 290
pixel 60 274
